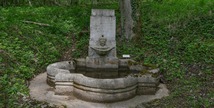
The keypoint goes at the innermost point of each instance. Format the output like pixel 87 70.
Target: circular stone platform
pixel 41 91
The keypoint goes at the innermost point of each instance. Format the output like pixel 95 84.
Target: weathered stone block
pixel 103 65
pixel 123 64
pixel 146 90
pixel 136 68
pixel 147 85
pixel 80 65
pixel 64 84
pixel 64 90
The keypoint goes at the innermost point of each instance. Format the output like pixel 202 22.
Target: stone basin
pixel 62 75
pixel 102 50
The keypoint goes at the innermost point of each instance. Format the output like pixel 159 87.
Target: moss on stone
pixel 130 63
pixel 155 75
pixel 143 72
pixel 150 66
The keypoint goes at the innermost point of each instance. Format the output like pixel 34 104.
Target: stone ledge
pixel 104 90
pixel 41 91
pixel 103 12
pixel 103 97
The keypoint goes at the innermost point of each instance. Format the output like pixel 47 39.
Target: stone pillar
pixel 102 45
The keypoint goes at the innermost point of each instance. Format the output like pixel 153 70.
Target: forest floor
pixel 177 36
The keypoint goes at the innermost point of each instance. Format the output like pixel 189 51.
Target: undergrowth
pixel 27 48
pixel 178 37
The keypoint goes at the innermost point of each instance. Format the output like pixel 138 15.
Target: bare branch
pixel 37 23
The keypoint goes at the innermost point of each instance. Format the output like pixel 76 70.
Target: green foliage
pixel 27 48
pixel 178 36
pixel 54 2
pixel 33 37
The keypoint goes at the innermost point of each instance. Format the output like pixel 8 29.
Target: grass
pixel 26 49
pixel 177 36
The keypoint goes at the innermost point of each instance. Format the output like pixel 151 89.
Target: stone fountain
pixel 101 77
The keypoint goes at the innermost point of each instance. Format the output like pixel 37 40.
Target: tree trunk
pixel 29 2
pixel 129 17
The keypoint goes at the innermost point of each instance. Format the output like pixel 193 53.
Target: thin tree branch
pixel 37 23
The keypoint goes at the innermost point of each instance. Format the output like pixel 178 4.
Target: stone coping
pixel 60 67
pixel 103 12
pixel 60 71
